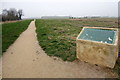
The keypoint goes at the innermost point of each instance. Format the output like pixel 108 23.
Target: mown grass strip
pixel 11 31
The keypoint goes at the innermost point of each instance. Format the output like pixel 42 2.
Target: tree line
pixel 11 14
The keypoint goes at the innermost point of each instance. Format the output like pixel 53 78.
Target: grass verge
pixel 11 31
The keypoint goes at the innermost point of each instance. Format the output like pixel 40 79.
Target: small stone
pixel 96 64
pixel 54 58
pixel 36 51
pixel 97 69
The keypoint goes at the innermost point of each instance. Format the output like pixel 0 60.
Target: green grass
pixel 57 37
pixel 11 31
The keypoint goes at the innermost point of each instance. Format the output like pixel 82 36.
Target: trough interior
pixel 100 35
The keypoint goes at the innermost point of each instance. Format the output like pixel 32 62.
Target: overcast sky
pixel 38 8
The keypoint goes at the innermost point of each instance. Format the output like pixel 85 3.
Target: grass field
pixel 58 37
pixel 11 31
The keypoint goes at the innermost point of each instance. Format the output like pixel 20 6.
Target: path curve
pixel 26 59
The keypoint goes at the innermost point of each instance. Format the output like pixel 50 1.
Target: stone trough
pixel 98 45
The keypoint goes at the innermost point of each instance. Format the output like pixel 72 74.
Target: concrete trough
pixel 98 45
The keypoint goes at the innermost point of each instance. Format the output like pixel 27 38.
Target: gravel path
pixel 26 59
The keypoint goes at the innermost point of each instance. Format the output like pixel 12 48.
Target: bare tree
pixel 5 12
pixel 11 14
pixel 20 13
